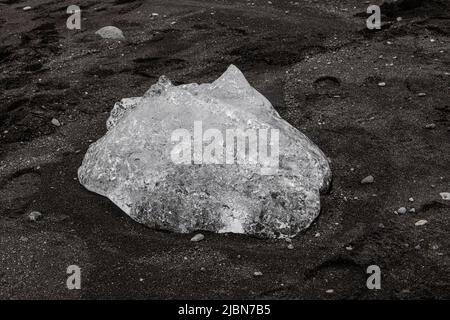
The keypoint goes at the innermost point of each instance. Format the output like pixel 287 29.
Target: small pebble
pixel 445 195
pixel 24 239
pixel 26 8
pixel 367 180
pixel 110 32
pixel 290 246
pixel 381 84
pixel 317 235
pixel 330 291
pixel 411 199
pixel 202 269
pixel 257 273
pixel 430 126
pixel 421 94
pixel 34 216
pixel 421 223
pixel 56 122
pixel 401 210
pixel 349 248
pixel 412 210
pixel 197 237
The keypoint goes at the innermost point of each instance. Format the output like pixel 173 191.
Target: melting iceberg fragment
pixel 239 168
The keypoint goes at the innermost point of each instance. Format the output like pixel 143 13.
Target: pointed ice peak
pixel 233 78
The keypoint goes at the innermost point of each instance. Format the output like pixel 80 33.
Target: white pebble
pixel 34 216
pixel 367 180
pixel 56 122
pixel 421 222
pixel 198 237
pixel 445 195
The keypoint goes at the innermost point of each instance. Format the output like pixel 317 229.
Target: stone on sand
pixel 132 164
pixel 198 237
pixel 445 195
pixel 367 180
pixel 421 223
pixel 110 32
pixel 34 216
pixel 56 122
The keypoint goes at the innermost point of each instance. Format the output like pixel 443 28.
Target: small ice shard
pixel 110 32
pixel 265 181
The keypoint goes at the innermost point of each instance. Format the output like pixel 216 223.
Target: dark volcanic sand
pixel 320 67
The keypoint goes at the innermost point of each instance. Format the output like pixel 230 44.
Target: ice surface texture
pixel 132 164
